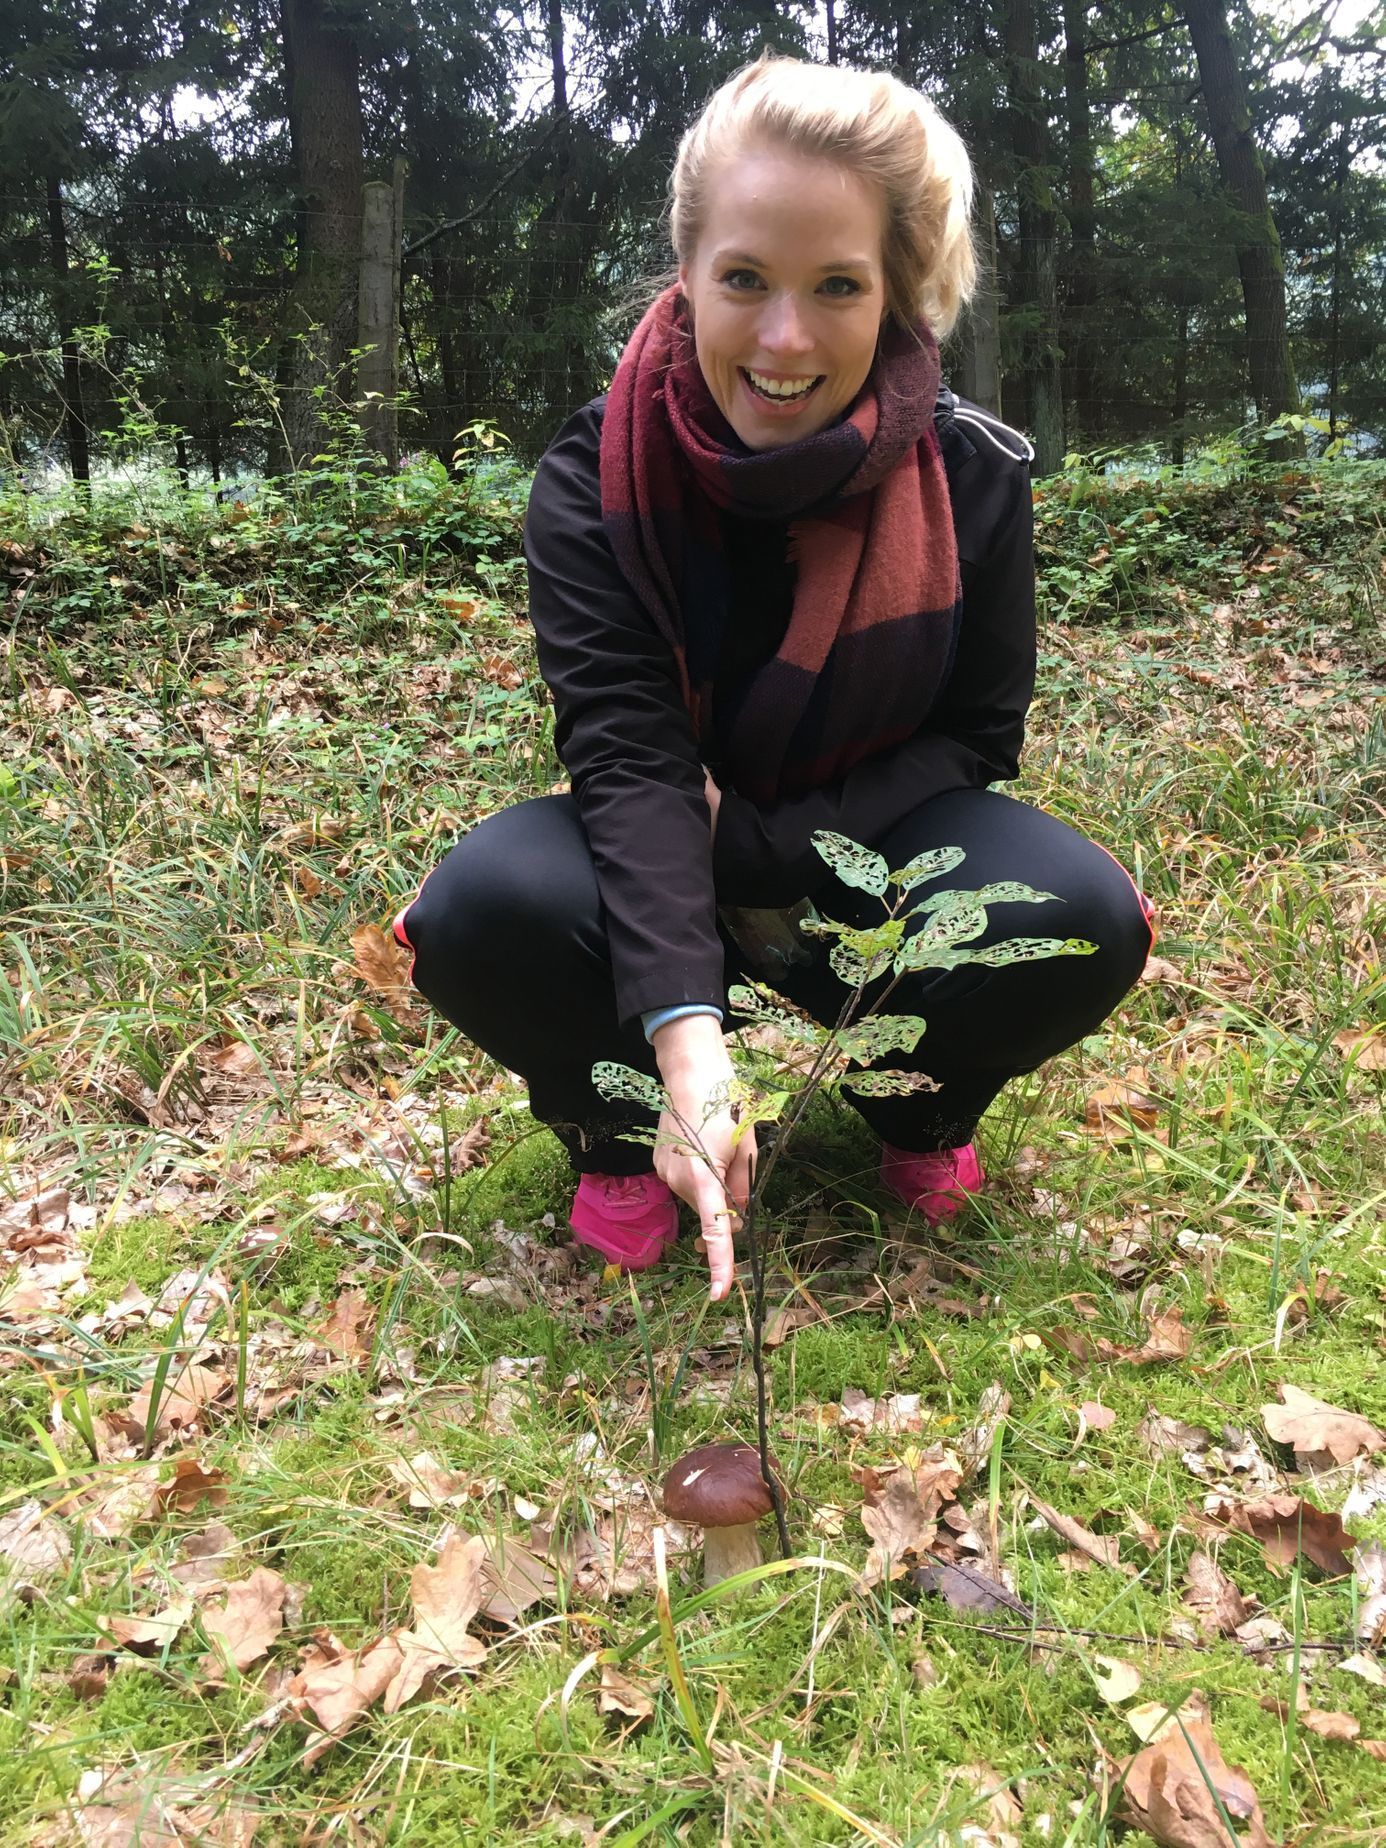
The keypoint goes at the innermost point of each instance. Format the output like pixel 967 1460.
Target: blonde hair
pixel 876 127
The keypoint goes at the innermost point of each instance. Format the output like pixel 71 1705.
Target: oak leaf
pixel 1165 1791
pixel 1317 1720
pixel 149 1635
pixel 1317 1430
pixel 383 964
pixel 339 1686
pixel 901 1513
pixel 244 1627
pixel 1286 1525
pixel 446 1599
pixel 1213 1598
pixel 190 1485
pixel 1100 1547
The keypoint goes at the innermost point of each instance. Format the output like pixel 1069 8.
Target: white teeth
pixel 781 388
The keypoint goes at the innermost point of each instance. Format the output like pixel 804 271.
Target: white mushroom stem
pixel 729 1550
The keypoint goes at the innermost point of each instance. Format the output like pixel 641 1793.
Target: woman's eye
pixel 849 286
pixel 741 279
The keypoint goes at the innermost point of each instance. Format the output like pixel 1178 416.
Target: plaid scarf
pixel 877 598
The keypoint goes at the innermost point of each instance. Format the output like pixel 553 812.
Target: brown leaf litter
pixel 1321 1435
pixel 901 1511
pixel 1166 1791
pixel 1286 1525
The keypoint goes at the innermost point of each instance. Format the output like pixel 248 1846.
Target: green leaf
pixel 1030 949
pixel 854 864
pixel 931 865
pixel 883 1033
pixel 932 948
pixel 765 1013
pixel 888 1084
pixel 854 968
pixel 621 1084
pixel 1000 892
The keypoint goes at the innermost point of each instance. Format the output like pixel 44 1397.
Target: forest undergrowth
pixel 329 1471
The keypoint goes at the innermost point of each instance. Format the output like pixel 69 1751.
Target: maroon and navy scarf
pixel 877 597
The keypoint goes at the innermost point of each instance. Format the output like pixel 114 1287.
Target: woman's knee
pixel 507 893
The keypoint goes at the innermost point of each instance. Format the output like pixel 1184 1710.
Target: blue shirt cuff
pixel 656 1017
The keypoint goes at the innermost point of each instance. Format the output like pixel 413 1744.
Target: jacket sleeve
pixel 625 737
pixel 972 737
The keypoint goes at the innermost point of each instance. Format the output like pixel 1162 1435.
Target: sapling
pixel 946 926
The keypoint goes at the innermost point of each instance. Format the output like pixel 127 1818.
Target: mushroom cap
pixel 718 1485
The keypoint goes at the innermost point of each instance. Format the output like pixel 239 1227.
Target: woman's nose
pixel 783 328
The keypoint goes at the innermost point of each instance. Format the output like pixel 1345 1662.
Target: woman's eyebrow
pixel 753 262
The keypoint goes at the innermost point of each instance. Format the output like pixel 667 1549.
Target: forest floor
pixel 328 1470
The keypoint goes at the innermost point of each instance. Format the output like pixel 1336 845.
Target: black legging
pixel 510 945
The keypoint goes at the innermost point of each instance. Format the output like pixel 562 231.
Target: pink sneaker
pixel 628 1218
pixel 937 1185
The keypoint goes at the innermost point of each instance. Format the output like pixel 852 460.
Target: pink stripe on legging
pixel 1147 905
pixel 402 935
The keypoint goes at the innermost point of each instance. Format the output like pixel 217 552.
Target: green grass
pixel 215 770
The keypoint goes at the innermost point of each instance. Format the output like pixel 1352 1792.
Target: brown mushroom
pixel 721 1489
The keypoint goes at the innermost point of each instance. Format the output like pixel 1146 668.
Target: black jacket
pixel 627 741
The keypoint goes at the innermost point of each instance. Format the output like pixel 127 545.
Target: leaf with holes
pixel 1031 949
pixel 621 1084
pixel 883 1033
pixel 856 968
pixel 925 866
pixel 999 892
pixel 854 864
pixel 888 1084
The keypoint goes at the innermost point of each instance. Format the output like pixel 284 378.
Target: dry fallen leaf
pixel 384 964
pixel 1213 1598
pixel 33 1546
pixel 1317 1432
pixel 243 1628
pixel 347 1330
pixel 1167 1339
pixel 192 1484
pixel 897 1414
pixel 1096 1417
pixel 340 1686
pixel 1003 1813
pixel 446 1599
pixel 964 1588
pixel 513 1578
pixel 1366 1666
pixel 150 1635
pixel 1364 1047
pixel 1286 1525
pixel 1117 1681
pixel 1370 1565
pixel 185 1404
pixel 619 1694
pixel 1165 1791
pixel 428 1483
pixel 900 1512
pixel 1153 1718
pixel 780 1324
pixel 1103 1548
pixel 1316 1720
pixel 1113 1110
pixel 1164 1437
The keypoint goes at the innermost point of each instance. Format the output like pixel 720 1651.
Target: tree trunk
pixel 1335 308
pixel 830 8
pixel 979 363
pixel 1080 332
pixel 1038 225
pixel 1179 410
pixel 557 58
pixel 1259 259
pixel 321 67
pixel 74 411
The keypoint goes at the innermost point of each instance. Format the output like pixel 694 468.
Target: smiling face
pixel 787 291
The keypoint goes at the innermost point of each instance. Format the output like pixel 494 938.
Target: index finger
pixel 718 1219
